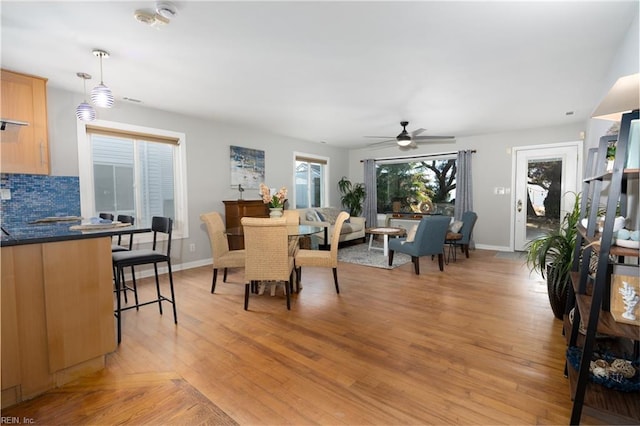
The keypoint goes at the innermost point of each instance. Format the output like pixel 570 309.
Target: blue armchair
pixel 429 240
pixel 468 222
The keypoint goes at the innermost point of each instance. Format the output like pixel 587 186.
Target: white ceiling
pixel 333 71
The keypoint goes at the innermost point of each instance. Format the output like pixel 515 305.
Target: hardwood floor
pixel 475 344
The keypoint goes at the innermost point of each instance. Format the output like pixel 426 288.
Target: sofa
pixel 352 229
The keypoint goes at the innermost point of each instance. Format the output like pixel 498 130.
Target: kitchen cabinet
pixel 24 136
pixel 57 314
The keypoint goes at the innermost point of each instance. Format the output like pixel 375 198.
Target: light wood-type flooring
pixel 475 344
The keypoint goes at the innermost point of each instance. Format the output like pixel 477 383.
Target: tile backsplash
pixel 36 197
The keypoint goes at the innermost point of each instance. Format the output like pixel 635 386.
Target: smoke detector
pixel 166 10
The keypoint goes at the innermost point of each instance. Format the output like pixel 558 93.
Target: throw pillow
pixel 312 216
pixel 455 226
pixel 411 235
pixel 320 216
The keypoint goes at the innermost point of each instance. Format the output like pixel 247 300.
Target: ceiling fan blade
pixel 432 138
pixel 382 143
pixel 380 137
pixel 417 132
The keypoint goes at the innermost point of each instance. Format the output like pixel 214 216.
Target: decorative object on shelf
pixel 625 294
pixel 608 370
pixel 353 194
pixel 240 191
pixel 85 111
pixel 101 95
pixel 551 254
pixel 274 199
pixel 247 167
pixel 627 238
pixel 611 155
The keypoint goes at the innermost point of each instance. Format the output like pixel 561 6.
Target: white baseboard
pixel 164 270
pixel 491 247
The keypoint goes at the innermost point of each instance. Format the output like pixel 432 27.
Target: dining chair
pixel 223 258
pixel 429 240
pixel 469 219
pixel 267 255
pixel 123 259
pixel 323 258
pixel 107 216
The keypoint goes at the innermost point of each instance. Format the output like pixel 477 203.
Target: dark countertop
pixel 59 231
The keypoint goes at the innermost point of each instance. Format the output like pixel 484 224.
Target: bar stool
pixel 115 247
pixel 123 259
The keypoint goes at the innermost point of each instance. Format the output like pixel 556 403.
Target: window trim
pixel 85 169
pixel 325 161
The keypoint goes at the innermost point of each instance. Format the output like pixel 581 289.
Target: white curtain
pixel 371 200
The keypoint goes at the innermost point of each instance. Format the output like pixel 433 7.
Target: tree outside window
pixel 422 186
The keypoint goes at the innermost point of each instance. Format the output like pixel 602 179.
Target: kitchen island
pixel 57 307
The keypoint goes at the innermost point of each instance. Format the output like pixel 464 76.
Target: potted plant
pixel 552 256
pixel 353 195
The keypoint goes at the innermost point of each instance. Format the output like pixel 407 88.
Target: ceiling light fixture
pixel 404 139
pixel 84 111
pixel 101 95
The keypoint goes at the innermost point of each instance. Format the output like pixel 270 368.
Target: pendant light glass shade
pixel 101 95
pixel 84 111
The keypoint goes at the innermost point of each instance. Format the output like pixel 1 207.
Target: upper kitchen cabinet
pixel 24 142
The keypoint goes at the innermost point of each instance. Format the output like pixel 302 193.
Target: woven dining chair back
pixel 266 253
pixel 323 258
pixel 222 256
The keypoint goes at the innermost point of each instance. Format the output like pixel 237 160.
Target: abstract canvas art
pixel 247 167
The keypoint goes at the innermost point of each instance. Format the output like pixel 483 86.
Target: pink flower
pixel 276 200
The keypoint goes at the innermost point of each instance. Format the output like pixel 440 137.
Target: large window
pixel 310 181
pixel 422 185
pixel 133 171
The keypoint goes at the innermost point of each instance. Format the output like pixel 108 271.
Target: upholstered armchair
pixel 429 240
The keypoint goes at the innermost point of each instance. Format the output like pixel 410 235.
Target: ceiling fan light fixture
pixel 101 95
pixel 404 140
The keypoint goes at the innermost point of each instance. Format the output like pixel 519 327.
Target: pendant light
pixel 84 111
pixel 101 95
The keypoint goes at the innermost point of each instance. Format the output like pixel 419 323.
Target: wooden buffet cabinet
pixel 234 210
pixel 57 314
pixel 25 146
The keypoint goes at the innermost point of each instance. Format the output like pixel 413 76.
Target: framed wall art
pixel 247 167
pixel 625 294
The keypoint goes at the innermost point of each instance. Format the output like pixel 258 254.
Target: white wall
pixel 208 167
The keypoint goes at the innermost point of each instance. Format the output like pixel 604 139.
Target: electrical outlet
pixel 5 194
pixel 192 247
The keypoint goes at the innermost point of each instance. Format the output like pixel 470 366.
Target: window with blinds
pixel 136 173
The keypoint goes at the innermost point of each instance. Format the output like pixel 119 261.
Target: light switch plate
pixel 5 193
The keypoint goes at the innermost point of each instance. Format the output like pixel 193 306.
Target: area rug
pixel 361 255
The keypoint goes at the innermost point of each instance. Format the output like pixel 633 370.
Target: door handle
pixel 519 206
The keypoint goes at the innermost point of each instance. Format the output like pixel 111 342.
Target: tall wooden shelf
pixel 590 288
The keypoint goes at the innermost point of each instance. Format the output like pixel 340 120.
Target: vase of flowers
pixel 275 200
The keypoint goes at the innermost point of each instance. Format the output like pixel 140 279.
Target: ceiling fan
pixel 410 139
